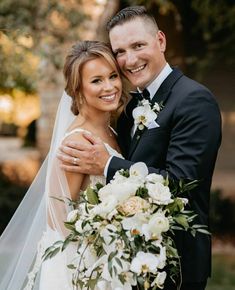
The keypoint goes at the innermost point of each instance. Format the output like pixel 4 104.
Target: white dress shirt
pixel 152 89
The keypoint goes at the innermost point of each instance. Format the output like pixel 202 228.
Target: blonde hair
pixel 79 54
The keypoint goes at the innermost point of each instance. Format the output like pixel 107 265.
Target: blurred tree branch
pixel 35 28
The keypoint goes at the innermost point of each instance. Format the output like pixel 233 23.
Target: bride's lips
pixel 109 98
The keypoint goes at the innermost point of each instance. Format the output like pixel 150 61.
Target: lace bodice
pixel 95 178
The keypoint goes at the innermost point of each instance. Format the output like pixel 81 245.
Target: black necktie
pixel 141 95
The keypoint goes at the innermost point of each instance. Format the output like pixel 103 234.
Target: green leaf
pixel 111 256
pixel 92 196
pixel 203 231
pixel 182 220
pixel 118 262
pixel 72 267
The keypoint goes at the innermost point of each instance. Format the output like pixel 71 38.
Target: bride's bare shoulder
pixel 76 134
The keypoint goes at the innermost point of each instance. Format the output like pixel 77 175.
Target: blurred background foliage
pixel 34 29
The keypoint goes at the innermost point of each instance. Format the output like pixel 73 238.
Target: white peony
pixel 144 263
pixel 160 194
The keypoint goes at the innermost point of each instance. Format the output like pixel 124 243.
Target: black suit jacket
pixel 184 146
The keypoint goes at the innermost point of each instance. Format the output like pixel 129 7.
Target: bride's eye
pixel 95 81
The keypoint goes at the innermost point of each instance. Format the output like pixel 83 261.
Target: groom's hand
pixel 84 158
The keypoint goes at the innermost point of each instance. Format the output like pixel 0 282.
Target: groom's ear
pixel 161 38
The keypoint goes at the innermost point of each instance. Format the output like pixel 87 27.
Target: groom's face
pixel 139 50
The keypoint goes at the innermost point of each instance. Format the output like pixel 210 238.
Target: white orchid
pixel 138 169
pixel 144 263
pixel 145 114
pixel 159 280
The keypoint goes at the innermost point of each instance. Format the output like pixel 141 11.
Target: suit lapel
pixel 161 96
pixel 163 92
pixel 124 126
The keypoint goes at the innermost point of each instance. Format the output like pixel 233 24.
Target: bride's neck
pixel 101 120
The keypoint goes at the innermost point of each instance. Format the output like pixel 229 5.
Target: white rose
pixel 159 193
pixel 134 204
pixel 72 216
pixel 144 263
pixel 155 178
pixel 158 223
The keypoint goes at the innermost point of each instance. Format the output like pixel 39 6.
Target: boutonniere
pixel 145 115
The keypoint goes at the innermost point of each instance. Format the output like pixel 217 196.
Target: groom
pixel 183 141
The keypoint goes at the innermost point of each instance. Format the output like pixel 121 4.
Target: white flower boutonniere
pixel 145 115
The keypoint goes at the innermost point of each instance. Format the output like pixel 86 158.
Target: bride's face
pixel 101 85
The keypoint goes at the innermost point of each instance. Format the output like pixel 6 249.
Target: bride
pixel 94 89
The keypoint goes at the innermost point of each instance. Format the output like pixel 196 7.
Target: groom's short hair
pixel 130 13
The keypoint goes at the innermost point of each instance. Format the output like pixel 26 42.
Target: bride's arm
pixel 74 179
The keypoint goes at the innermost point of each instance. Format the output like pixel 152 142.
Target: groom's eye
pixel 139 45
pixel 118 53
pixel 114 76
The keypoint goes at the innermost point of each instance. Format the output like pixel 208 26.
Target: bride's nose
pixel 108 85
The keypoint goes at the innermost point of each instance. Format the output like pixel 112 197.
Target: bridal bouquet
pixel 123 232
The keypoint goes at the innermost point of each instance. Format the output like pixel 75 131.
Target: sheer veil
pixel 37 212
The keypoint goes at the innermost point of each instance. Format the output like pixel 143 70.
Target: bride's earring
pixel 80 99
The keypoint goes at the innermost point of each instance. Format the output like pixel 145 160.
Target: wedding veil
pixel 19 241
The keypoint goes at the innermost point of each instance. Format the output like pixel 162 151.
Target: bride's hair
pixel 79 54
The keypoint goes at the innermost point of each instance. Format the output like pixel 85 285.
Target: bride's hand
pixel 82 157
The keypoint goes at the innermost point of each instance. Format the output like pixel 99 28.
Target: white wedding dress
pixel 54 273
pixel 39 221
